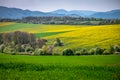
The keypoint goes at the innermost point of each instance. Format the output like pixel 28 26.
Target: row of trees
pixel 69 20
pixel 93 51
pixel 26 43
pixel 64 20
pixel 9 20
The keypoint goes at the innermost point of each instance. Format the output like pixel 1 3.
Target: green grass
pixel 96 67
pixel 45 34
pixel 16 26
pixel 77 60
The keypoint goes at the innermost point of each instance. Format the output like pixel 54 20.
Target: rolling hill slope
pixel 73 36
pixel 16 13
pixel 107 15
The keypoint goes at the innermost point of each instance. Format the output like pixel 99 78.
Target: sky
pixel 51 5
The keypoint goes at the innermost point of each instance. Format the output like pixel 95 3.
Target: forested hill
pixel 16 13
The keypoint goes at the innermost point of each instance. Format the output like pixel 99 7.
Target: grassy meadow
pixel 73 36
pixel 94 67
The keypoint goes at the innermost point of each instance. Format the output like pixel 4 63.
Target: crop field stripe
pixel 45 34
pixel 23 67
pixel 2 24
pixel 76 60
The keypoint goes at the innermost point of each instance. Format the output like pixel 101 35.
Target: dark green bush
pixel 68 52
pixel 99 50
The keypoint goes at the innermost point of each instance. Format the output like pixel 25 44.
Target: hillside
pixel 83 13
pixel 107 15
pixel 16 13
pixel 73 36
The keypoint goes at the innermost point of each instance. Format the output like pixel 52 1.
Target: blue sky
pixel 50 5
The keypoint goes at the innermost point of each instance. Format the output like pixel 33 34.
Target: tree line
pixel 26 43
pixel 64 20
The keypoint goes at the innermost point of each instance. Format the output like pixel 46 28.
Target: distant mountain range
pixel 83 13
pixel 15 13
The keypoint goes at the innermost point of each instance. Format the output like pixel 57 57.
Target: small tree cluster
pixel 18 41
pixel 68 52
pixel 57 42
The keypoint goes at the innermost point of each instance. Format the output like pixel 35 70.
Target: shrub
pixel 2 46
pixel 38 52
pixel 106 52
pixel 117 48
pixel 29 49
pixel 91 51
pixel 9 50
pixel 83 51
pixel 18 48
pixel 56 51
pixel 111 50
pixel 44 48
pixel 57 42
pixel 67 52
pixel 23 47
pixel 77 53
pixel 40 43
pixel 49 50
pixel 99 50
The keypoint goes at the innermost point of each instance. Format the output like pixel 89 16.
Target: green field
pixel 91 67
pixel 73 36
pixel 96 67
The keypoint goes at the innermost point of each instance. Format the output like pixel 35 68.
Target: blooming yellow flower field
pixel 6 23
pixel 74 36
pixel 90 36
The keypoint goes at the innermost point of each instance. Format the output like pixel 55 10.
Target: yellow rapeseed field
pixel 6 23
pixel 76 36
pixel 90 36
